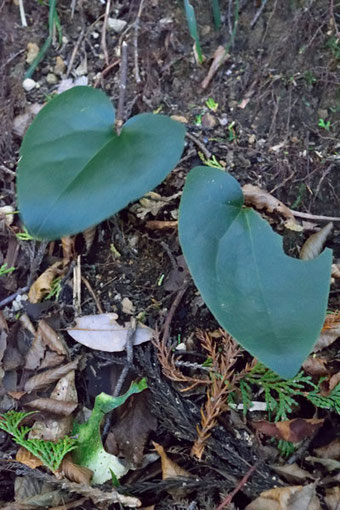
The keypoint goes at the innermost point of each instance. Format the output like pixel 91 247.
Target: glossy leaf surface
pixel 74 170
pixel 272 304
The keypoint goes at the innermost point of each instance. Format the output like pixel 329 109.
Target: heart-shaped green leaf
pixel 272 304
pixel 75 171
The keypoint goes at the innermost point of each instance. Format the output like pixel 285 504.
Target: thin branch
pixel 200 145
pixel 316 217
pixel 11 298
pixel 103 40
pixel 239 486
pixel 122 89
pixel 22 13
pixel 135 41
pixel 258 14
pixel 129 356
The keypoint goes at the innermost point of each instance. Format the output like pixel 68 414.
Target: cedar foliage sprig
pixel 51 454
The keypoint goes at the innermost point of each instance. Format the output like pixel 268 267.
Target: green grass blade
pixel 191 19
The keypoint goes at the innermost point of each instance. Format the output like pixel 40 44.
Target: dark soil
pixel 280 79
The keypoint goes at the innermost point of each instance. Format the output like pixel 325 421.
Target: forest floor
pixel 270 117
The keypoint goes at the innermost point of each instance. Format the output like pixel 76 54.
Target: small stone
pixel 32 52
pixel 206 29
pixel 117 25
pixel 322 113
pixel 179 118
pixel 29 84
pixel 51 79
pixel 127 306
pixel 251 139
pixel 60 66
pixel 208 121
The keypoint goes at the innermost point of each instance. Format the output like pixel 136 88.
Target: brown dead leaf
pixel 329 464
pixel 315 366
pixel 330 331
pixel 289 430
pixel 50 376
pixel 169 468
pixel 36 352
pixel 52 339
pixel 75 473
pixel 42 285
pixel 51 359
pixel 129 434
pixel 330 451
pixel 336 271
pixel 313 246
pixel 161 225
pixel 220 56
pixel 27 458
pixel 261 199
pixel 292 473
pixel 332 498
pixel 24 120
pixel 287 498
pixel 102 332
pixel 53 406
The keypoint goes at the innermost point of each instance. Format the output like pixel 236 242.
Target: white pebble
pixel 29 84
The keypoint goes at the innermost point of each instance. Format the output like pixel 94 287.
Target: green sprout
pixel 6 270
pixel 324 125
pixel 198 120
pixel 56 288
pixel 192 25
pixel 232 134
pixel 213 163
pixel 24 236
pixel 216 14
pixel 211 104
pixel 51 454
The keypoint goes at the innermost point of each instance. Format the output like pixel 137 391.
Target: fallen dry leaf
pixel 52 340
pixel 329 464
pixel 31 493
pixel 336 271
pixel 313 246
pixel 330 331
pixel 220 56
pixel 330 451
pixel 75 473
pixel 27 458
pixel 315 366
pixel 289 430
pixel 51 359
pixel 332 498
pixel 261 199
pixel 42 285
pixel 287 498
pixel 35 353
pixel 292 473
pixel 22 122
pixel 54 406
pixel 50 376
pixel 169 468
pixel 103 333
pixel 129 434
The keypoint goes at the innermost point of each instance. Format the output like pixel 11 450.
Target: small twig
pixel 307 216
pixel 91 291
pixel 22 13
pixel 200 145
pixel 8 170
pixel 258 14
pixel 239 486
pixel 105 72
pixel 103 41
pixel 135 41
pixel 129 356
pixel 170 255
pixel 10 298
pixel 176 302
pixel 331 11
pixel 77 286
pixel 74 52
pixel 122 88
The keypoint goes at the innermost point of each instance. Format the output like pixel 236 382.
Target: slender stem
pixel 122 88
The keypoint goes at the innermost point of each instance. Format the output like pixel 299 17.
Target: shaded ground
pixel 280 79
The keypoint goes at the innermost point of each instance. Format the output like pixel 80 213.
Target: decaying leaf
pixel 336 271
pixel 289 430
pixel 53 406
pixel 27 458
pixel 330 331
pixel 287 498
pixel 89 234
pixel 330 451
pixel 152 203
pixel 42 285
pixel 102 332
pixel 220 56
pixel 315 366
pixel 52 340
pixel 329 464
pixel 33 493
pixel 169 468
pixel 35 353
pixel 75 473
pixel 261 199
pixel 51 359
pixel 314 244
pixel 134 423
pixel 332 498
pixel 50 376
pixel 292 473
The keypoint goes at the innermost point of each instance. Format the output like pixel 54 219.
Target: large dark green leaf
pixel 272 304
pixel 74 170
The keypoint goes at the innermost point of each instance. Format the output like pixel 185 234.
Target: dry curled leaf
pixel 42 285
pixel 103 333
pixel 35 353
pixel 63 408
pixel 332 498
pixel 52 339
pixel 336 271
pixel 315 366
pixel 89 234
pixel 169 468
pixel 330 451
pixel 261 199
pixel 75 473
pixel 50 376
pixel 27 458
pixel 292 473
pixel 287 498
pixel 330 331
pixel 289 430
pixel 313 246
pixel 220 56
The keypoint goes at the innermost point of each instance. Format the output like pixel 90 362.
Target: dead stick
pixel 135 41
pixel 129 356
pixel 172 310
pixel 200 145
pixel 122 89
pixel 103 41
pixel 307 216
pixel 239 486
